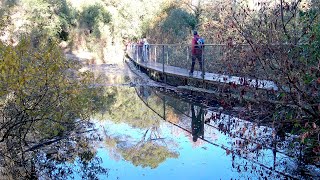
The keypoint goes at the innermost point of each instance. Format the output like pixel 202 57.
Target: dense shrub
pixel 92 16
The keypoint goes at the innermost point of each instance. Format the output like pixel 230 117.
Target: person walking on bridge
pixel 196 52
pixel 145 50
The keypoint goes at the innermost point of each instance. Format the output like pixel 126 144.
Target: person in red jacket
pixel 196 52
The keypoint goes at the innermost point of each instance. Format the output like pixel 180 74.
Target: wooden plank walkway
pixel 210 77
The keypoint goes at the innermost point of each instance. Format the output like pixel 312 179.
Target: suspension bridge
pixel 173 61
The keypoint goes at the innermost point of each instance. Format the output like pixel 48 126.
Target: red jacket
pixel 194 50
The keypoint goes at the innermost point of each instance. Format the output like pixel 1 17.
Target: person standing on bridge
pixel 196 52
pixel 140 50
pixel 145 50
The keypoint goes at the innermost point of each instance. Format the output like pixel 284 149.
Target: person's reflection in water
pixel 145 92
pixel 197 123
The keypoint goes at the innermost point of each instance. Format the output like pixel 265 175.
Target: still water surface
pixel 141 129
pixel 181 146
pixel 147 133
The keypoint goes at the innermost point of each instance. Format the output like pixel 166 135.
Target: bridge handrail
pixel 222 44
pixel 218 60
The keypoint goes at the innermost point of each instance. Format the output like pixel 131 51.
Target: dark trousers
pixel 193 58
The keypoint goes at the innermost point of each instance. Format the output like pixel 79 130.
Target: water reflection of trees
pixel 72 157
pixel 121 109
pixel 45 105
pixel 40 145
pixel 256 150
pixel 151 149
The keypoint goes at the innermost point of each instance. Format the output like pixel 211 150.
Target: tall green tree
pixel 131 19
pixel 43 100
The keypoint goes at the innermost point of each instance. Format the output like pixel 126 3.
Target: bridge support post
pixel 202 57
pixel 164 107
pixel 155 53
pixel 188 54
pixel 163 72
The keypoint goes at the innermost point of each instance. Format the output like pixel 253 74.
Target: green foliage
pixel 179 22
pixel 175 21
pixel 130 111
pixel 311 41
pixel 38 86
pixel 43 99
pixel 67 13
pixel 86 156
pixel 148 155
pixel 41 17
pixel 68 17
pixel 133 19
pixel 92 16
pixel 10 3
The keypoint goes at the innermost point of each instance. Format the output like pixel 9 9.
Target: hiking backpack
pixel 199 43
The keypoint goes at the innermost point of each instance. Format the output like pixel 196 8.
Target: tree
pixel 132 19
pixel 178 25
pixel 68 17
pixel 43 100
pixel 283 37
pixel 91 17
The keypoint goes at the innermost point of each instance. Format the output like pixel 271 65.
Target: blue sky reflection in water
pixel 203 161
pixel 226 151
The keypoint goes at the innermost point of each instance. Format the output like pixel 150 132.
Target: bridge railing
pixel 217 58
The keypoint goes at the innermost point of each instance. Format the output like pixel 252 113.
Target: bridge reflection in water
pixel 254 148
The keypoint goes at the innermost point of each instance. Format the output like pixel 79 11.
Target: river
pixel 147 130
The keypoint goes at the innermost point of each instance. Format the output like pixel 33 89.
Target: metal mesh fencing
pixel 217 58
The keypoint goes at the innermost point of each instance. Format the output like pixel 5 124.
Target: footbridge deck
pixel 175 61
